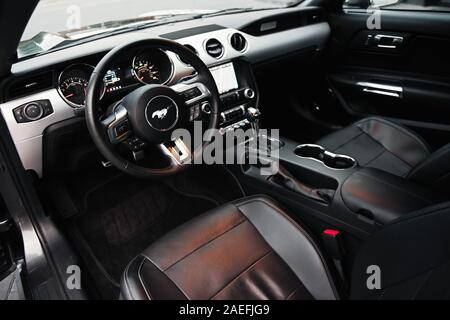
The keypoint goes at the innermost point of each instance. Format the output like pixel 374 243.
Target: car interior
pixel 92 180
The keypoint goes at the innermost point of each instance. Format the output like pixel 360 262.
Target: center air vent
pixel 238 42
pixel 214 48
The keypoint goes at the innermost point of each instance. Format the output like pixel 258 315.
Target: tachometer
pixel 152 66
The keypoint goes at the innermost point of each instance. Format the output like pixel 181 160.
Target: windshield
pixel 56 23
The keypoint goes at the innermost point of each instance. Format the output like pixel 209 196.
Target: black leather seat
pixel 250 249
pixel 379 143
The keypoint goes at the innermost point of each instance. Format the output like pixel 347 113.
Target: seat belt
pixel 332 240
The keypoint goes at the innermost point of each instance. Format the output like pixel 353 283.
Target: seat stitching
pixel 206 243
pixel 348 141
pixel 254 263
pixel 292 293
pixel 296 290
pixel 378 156
pixel 387 150
pixel 156 266
pixel 406 131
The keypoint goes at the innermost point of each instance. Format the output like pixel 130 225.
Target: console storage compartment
pixel 383 197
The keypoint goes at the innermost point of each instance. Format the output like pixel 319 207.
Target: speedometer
pixel 73 83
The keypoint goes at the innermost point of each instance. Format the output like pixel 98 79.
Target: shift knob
pixel 253 114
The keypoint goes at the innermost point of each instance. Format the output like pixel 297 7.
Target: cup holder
pixel 329 159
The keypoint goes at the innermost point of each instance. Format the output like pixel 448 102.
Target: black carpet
pixel 124 216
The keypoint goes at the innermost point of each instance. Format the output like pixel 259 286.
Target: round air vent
pixel 214 48
pixel 238 42
pixel 191 48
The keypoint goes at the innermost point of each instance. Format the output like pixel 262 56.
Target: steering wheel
pixel 150 114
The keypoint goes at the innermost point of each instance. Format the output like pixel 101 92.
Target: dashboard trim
pixel 28 136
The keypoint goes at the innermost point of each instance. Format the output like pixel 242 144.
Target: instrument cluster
pixel 147 66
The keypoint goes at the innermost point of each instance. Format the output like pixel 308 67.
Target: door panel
pixel 401 71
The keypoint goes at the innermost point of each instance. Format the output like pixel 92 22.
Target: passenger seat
pixel 378 143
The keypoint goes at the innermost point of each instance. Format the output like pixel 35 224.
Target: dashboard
pixel 48 90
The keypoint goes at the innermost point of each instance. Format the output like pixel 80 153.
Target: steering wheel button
pixel 122 129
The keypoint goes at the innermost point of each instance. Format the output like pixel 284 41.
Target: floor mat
pixel 119 224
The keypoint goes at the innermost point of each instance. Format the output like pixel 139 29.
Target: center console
pixel 238 92
pixel 333 188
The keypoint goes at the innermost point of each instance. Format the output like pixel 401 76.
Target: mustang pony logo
pixel 161 114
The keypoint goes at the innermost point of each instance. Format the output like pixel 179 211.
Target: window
pixel 422 5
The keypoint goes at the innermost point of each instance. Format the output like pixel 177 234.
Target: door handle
pixel 384 41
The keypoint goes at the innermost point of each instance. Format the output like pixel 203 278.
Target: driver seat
pixel 251 249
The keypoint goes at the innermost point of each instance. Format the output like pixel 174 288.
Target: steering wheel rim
pixel 97 130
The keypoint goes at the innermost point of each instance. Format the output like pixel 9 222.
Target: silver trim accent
pixel 331 154
pixel 378 37
pixel 381 89
pixel 225 113
pixel 381 92
pixel 106 164
pixel 27 136
pixel 204 106
pixel 176 108
pixel 249 93
pixel 380 86
pixel 179 158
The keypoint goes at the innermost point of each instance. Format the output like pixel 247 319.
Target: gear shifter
pixel 253 116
